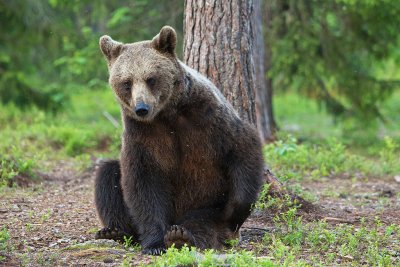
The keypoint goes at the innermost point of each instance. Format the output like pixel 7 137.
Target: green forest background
pixel 334 68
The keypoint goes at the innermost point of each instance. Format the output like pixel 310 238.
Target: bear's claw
pixel 179 236
pixel 153 251
pixel 110 233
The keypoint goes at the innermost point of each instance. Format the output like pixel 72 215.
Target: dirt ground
pixel 53 223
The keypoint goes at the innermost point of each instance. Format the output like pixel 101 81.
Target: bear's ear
pixel 165 41
pixel 110 48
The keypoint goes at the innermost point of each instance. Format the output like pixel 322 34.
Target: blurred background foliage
pixel 342 54
pixel 49 49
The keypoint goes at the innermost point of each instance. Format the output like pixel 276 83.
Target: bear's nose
pixel 141 109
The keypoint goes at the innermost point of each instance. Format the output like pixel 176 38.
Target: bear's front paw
pixel 110 233
pixel 179 236
pixel 153 251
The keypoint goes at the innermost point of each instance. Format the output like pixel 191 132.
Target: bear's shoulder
pixel 201 91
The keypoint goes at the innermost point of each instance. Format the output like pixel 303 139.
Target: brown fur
pixel 191 161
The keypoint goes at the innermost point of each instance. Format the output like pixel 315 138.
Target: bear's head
pixel 145 76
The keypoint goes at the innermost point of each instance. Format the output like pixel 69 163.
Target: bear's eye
pixel 151 81
pixel 126 85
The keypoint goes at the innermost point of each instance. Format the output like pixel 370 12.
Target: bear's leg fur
pixel 110 204
pixel 199 228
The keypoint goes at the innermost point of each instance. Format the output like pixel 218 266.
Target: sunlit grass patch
pixel 14 164
pixel 292 160
pixel 33 141
pixel 308 120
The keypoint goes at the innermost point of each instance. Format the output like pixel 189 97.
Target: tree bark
pixel 218 40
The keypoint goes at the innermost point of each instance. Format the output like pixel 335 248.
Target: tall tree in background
pixel 262 61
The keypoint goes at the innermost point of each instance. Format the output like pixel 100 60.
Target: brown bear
pixel 190 168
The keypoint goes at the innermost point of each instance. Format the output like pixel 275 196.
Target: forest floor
pixel 53 223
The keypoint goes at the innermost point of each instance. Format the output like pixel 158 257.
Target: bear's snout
pixel 142 109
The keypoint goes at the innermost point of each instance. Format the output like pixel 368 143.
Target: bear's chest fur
pixel 200 179
pixel 188 157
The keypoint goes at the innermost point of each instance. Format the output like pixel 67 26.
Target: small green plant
pixel 130 245
pixel 46 216
pixel 266 201
pixel 31 214
pixel 319 237
pixel 128 241
pixel 24 259
pixel 28 227
pixel 127 261
pixel 11 166
pixel 4 238
pixel 92 230
pixel 278 249
pixel 291 226
pixel 232 242
pixel 389 156
pixel 283 148
pixel 7 173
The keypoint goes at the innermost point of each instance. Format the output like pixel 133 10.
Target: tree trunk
pixel 224 41
pixel 218 43
pixel 261 54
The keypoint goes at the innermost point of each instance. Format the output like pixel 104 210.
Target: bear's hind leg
pixel 110 204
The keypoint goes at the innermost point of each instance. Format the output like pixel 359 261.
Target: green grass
pixel 362 244
pixel 189 257
pixel 304 118
pixel 33 141
pixel 293 160
pixel 303 244
pixel 308 121
pixel 312 145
